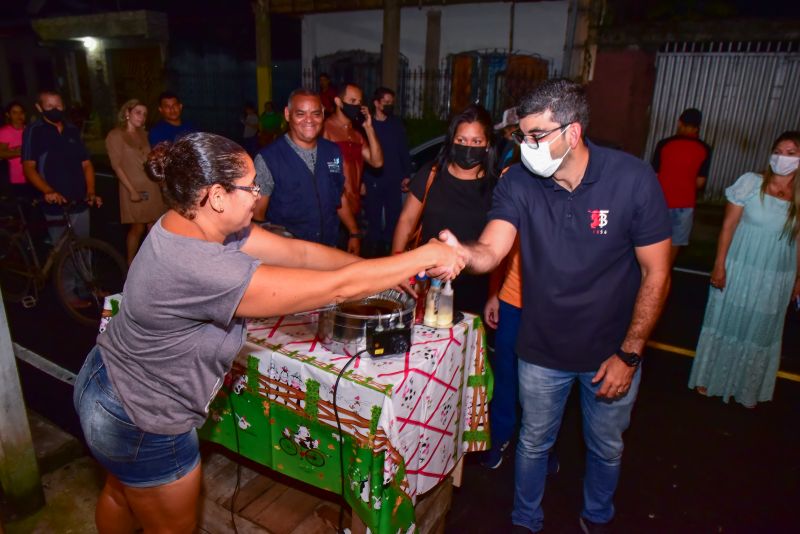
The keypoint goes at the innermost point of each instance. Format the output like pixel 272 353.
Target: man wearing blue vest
pixel 594 236
pixel 301 178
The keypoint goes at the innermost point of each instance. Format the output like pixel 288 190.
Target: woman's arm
pixel 406 223
pixel 6 152
pixel 733 214
pixel 279 251
pixel 796 289
pixel 279 290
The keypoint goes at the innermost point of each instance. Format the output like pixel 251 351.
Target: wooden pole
pixel 19 472
pixel 433 37
pixel 263 52
pixel 391 43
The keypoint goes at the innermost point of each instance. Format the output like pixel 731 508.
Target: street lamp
pixel 89 43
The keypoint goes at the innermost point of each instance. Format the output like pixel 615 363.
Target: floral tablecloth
pixel 406 419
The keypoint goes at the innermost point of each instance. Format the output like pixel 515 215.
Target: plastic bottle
pixel 431 303
pixel 444 312
pixel 421 288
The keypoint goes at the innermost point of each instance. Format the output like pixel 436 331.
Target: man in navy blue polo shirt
pixel 302 178
pixel 595 240
pixel 56 162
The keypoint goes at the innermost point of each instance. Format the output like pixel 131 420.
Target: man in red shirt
pixel 682 162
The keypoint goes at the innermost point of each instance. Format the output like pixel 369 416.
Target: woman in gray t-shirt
pixel 202 270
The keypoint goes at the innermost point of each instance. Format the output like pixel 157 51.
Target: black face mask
pixel 468 157
pixel 353 112
pixel 54 115
pixel 388 110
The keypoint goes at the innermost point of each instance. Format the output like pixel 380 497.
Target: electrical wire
pixel 340 529
pixel 238 465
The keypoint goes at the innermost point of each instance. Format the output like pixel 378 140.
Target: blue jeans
pixel 137 458
pixel 543 394
pixel 503 407
pixel 681 219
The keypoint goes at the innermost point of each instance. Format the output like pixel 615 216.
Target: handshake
pixel 451 257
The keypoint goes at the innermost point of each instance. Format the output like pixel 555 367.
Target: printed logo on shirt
pixel 335 165
pixel 598 221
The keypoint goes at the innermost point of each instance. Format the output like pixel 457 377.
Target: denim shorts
pixel 137 458
pixel 681 219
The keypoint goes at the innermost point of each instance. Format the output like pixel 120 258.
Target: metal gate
pixel 748 92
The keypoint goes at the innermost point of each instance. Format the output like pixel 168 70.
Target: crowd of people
pixel 566 247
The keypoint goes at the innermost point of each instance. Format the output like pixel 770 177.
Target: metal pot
pixel 352 326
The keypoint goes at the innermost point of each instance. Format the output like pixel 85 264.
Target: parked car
pixel 425 153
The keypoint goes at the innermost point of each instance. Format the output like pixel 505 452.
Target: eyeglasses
pixel 254 189
pixel 532 140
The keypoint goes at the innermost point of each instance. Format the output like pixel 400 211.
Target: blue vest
pixel 303 203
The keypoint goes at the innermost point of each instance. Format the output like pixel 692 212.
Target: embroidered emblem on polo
pixel 334 165
pixel 599 220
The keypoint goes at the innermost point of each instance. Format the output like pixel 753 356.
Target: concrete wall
pixel 539 28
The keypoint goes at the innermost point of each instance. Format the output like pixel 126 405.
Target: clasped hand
pixel 453 257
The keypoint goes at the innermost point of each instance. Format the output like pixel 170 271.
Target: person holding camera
pixel 351 128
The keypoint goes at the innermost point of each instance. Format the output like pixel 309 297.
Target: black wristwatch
pixel 631 359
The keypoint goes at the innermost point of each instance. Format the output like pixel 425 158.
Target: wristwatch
pixel 631 359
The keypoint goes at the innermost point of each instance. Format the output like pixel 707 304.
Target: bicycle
pixel 312 456
pixel 91 265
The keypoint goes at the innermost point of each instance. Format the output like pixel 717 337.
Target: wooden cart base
pixel 268 502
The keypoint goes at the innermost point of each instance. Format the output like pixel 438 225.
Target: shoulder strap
pixel 415 237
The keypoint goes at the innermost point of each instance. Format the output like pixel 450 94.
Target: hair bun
pixel 157 161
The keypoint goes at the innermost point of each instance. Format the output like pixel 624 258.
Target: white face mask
pixel 783 165
pixel 538 160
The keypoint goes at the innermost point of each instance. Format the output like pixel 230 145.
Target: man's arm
pixel 702 174
pixel 492 246
pixel 371 151
pixel 88 174
pixel 51 196
pixel 349 220
pixel 654 262
pixel 483 256
pixel 266 181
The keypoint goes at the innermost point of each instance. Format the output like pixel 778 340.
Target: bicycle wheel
pixel 87 271
pixel 288 446
pixel 15 274
pixel 315 458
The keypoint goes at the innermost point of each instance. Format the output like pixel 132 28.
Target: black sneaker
pixel 589 527
pixel 519 529
pixel 494 456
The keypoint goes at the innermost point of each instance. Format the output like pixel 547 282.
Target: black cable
pixel 341 436
pixel 238 464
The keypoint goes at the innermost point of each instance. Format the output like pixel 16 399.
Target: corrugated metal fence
pixel 748 92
